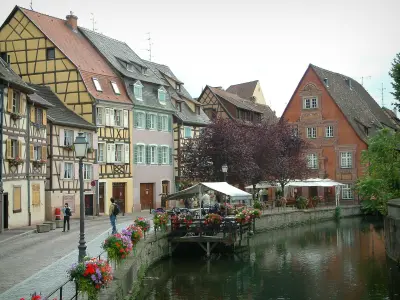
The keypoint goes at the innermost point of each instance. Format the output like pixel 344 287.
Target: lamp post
pixel 80 146
pixel 225 170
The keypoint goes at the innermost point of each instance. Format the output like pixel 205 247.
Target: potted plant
pixel 118 247
pixel 91 276
pixel 14 162
pixel 160 220
pixel 301 202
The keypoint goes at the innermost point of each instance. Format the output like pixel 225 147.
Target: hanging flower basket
pixel 90 150
pixel 143 224
pixel 160 220
pixel 243 217
pixel 135 234
pixel 15 116
pixel 14 162
pixel 91 276
pixel 118 247
pixel 69 147
pixel 39 163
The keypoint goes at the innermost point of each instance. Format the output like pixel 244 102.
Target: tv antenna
pixel 382 89
pixel 364 77
pixel 31 4
pixel 150 44
pixel 94 22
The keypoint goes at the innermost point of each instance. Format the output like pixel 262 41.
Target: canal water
pixel 344 261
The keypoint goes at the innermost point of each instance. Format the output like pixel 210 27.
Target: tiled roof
pixel 188 116
pixel 392 115
pixel 8 75
pixel 244 90
pixel 82 54
pixel 37 99
pixel 356 103
pixel 117 52
pixel 59 113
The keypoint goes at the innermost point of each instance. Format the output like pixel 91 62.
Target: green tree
pixel 395 74
pixel 382 174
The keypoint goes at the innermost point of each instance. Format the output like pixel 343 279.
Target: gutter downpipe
pixel 1 157
pixel 28 160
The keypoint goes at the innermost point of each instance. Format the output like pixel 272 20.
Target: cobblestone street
pixel 38 262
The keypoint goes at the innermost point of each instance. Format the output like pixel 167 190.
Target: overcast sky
pixel 223 42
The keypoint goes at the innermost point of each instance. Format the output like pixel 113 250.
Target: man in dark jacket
pixel 67 215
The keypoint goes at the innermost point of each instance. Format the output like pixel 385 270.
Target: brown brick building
pixel 336 115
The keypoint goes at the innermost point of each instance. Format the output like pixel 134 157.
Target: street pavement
pixel 39 262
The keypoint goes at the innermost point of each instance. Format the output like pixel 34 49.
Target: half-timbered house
pixel 50 51
pixel 24 150
pixel 189 117
pixel 62 184
pixel 218 103
pixel 152 129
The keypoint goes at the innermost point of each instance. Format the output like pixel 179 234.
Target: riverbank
pixel 392 234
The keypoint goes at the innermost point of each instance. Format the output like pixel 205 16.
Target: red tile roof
pixel 82 54
pixel 243 90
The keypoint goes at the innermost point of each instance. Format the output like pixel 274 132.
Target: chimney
pixel 72 21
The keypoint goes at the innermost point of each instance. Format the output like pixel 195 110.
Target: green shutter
pixel 169 123
pixel 147 154
pixel 170 156
pixel 135 117
pixel 159 152
pixel 159 122
pixel 135 153
pixel 147 120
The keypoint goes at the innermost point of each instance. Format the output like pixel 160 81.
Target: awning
pixel 314 182
pixel 222 187
pixel 262 185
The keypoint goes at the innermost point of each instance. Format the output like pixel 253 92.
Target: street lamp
pixel 80 146
pixel 225 170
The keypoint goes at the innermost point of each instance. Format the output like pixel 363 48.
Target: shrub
pixel 301 202
pixel 257 205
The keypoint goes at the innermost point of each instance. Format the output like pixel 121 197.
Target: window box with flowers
pixel 14 162
pixel 38 125
pixel 15 116
pixel 39 163
pixel 69 147
pixel 90 150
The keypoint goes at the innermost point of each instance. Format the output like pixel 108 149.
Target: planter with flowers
pixel 91 276
pixel 90 150
pixel 160 221
pixel 255 214
pixel 227 208
pixel 186 219
pixel 143 223
pixel 243 217
pixel 118 247
pixel 15 162
pixel 213 223
pixel 15 116
pixel 35 296
pixel 136 234
pixel 69 147
pixel 39 163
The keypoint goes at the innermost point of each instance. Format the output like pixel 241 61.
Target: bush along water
pixel 301 202
pixel 338 213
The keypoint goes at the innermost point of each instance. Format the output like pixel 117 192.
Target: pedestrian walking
pixel 113 212
pixel 67 215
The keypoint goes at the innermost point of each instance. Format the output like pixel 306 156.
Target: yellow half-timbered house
pixel 45 50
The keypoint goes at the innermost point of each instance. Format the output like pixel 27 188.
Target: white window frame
pixel 89 139
pixel 65 170
pixel 70 138
pixel 314 103
pixel 346 160
pixel 162 91
pixel 121 145
pixel 87 171
pixel 37 152
pixel 121 118
pixel 311 132
pixel 102 151
pixel 139 94
pixel 97 84
pixel 100 118
pixel 115 88
pixel 164 122
pixel 307 103
pixel 184 132
pixel 16 101
pixel 164 150
pixel 141 148
pixel 153 125
pixel 347 192
pixel 312 161
pixel 153 156
pixel 14 148
pixel 143 114
pixel 329 131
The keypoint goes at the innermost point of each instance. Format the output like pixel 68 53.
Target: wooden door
pixel 119 195
pixel 146 195
pixel 5 210
pixel 88 205
pixel 101 197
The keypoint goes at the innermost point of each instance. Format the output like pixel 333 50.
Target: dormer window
pixel 162 95
pixel 178 87
pixel 179 106
pixel 198 109
pixel 97 84
pixel 326 82
pixel 310 103
pixel 144 70
pixel 50 53
pixel 115 88
pixel 130 67
pixel 348 81
pixel 138 90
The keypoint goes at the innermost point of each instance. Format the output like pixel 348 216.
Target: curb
pixel 19 236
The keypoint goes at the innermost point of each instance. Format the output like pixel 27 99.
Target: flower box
pixel 69 147
pixel 14 162
pixel 15 116
pixel 90 150
pixel 39 163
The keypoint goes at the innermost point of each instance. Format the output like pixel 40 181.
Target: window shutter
pixel 20 149
pixel 135 153
pixel 95 141
pixel 61 170
pixel 147 120
pixel 95 169
pixel 35 194
pixel 10 99
pixel 159 123
pixel 159 152
pixel 169 123
pixel 44 117
pixel 148 158
pixel 108 153
pixel 170 155
pixel 112 117
pixel 31 151
pixel 135 119
pixel 112 154
pixel 126 153
pixel 126 119
pixel 76 171
pixel 44 152
pixel 22 104
pixel 33 116
pixel 107 116
pixel 8 149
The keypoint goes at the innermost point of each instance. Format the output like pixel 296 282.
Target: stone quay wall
pixel 392 230
pixel 288 217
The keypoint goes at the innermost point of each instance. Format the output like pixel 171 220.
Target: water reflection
pixel 323 261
